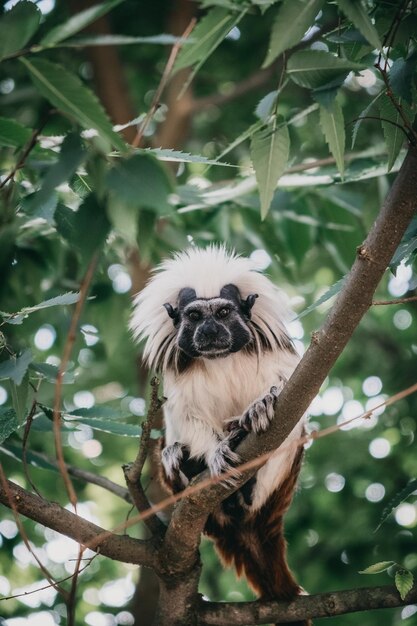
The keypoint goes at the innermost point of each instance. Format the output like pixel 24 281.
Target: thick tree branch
pixel 373 256
pixel 52 515
pixel 320 605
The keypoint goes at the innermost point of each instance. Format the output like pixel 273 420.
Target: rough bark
pixel 320 605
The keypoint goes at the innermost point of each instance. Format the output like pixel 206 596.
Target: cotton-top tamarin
pixel 214 327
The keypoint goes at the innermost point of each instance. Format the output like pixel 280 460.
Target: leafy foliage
pixel 74 195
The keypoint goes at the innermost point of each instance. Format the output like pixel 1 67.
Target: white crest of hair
pixel 202 399
pixel 206 270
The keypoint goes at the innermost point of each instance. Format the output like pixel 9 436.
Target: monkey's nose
pixel 209 329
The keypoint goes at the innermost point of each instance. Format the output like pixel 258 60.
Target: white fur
pixel 202 399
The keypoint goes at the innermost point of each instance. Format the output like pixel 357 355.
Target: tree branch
pixel 304 607
pixel 52 515
pixel 183 535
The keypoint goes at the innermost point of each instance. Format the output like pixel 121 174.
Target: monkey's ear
pixel 248 303
pixel 173 313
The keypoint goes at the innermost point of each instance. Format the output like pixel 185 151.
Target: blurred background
pixel 306 244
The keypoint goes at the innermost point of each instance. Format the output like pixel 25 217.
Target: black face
pixel 212 327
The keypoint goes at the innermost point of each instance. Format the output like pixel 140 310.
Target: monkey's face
pixel 212 327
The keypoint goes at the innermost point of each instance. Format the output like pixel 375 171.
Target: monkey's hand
pixel 223 461
pixel 171 459
pixel 259 415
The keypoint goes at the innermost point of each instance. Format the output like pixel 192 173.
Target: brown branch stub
pixel 133 471
pixel 320 605
pixel 395 301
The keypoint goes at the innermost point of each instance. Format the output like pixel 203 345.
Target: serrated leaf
pixel 13 134
pixel 101 412
pixel 66 92
pixel 362 116
pixel 78 22
pixel 333 126
pixel 66 298
pixel 317 68
pixel 85 229
pixel 392 127
pixel 292 21
pixel 404 582
pixel 107 426
pixel 17 26
pixel 377 568
pixel 176 156
pixel 270 148
pixel 50 372
pixel 356 13
pixel 332 291
pixel 19 395
pixel 70 157
pixel 399 497
pixel 8 423
pixel 209 32
pixel 16 367
pixel 124 40
pixel 264 107
pixel 140 181
pixel 16 452
pixel 401 76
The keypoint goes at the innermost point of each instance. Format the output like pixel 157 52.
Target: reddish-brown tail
pixel 254 541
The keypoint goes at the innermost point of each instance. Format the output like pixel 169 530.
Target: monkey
pixel 214 326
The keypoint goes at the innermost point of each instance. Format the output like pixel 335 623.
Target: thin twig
pixel 165 77
pixel 133 471
pixel 395 301
pixel 69 344
pixel 73 591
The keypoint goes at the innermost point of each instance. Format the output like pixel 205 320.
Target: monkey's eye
pixel 223 312
pixel 194 316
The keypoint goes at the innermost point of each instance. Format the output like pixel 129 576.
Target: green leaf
pixel 66 298
pixel 8 423
pixel 206 36
pixel 107 426
pixel 356 13
pixel 292 21
pixel 140 181
pixel 17 26
pixel 65 91
pixel 100 412
pixel 378 568
pixel 404 582
pixel 78 22
pixel 362 116
pixel 393 127
pixel 317 68
pixel 264 108
pixel 85 229
pixel 334 289
pixel 71 156
pixel 13 134
pixel 19 394
pixel 333 126
pixel 124 219
pixel 399 497
pixel 16 452
pixel 16 367
pixel 270 148
pixel 176 156
pixel 50 372
pixel 123 40
pixel 401 76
